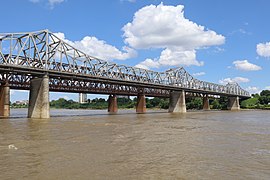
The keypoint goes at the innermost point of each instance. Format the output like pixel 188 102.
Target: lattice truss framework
pixel 44 51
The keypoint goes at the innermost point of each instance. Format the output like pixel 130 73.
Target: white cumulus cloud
pixel 165 27
pixel 234 80
pixel 169 57
pixel 244 65
pixel 263 49
pixel 131 1
pixel 51 3
pixel 34 1
pixel 148 63
pixel 253 89
pixel 99 48
pixel 199 74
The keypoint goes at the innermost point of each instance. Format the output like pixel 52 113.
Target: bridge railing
pixel 44 50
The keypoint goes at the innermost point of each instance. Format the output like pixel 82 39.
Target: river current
pixel 88 144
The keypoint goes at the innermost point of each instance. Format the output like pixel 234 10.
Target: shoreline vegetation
pixel 257 101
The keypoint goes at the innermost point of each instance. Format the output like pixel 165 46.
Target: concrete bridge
pixel 41 62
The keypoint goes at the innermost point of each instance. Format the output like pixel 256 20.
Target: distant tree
pixel 264 100
pixel 155 101
pixel 194 103
pixel 164 104
pixel 101 100
pixel 223 101
pixel 255 95
pixel 265 93
pixel 123 100
pixel 215 104
pixel 250 103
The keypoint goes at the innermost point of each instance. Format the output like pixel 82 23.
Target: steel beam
pixel 42 52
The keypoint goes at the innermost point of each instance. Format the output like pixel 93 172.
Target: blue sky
pixel 216 41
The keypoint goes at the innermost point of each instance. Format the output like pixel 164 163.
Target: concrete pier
pixel 112 104
pixel 39 104
pixel 233 103
pixel 177 102
pixel 206 105
pixel 141 104
pixel 5 100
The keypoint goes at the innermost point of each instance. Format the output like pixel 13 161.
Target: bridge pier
pixel 233 103
pixel 39 104
pixel 141 104
pixel 112 104
pixel 177 102
pixel 206 105
pixel 5 100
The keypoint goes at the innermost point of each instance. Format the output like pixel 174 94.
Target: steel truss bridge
pixel 24 56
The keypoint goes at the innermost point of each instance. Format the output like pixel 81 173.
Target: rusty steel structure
pixel 32 54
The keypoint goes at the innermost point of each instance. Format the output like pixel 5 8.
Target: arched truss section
pixel 44 51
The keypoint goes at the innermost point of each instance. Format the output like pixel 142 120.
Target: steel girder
pixel 22 82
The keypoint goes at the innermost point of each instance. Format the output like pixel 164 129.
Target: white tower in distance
pixel 82 98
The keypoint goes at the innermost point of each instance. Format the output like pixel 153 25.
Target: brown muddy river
pixel 76 144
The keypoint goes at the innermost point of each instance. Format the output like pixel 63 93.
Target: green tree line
pixel 127 103
pixel 257 101
pixel 100 103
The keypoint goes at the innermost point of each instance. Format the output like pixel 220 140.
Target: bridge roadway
pixel 41 62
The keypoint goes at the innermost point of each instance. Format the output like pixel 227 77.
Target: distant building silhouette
pixel 83 98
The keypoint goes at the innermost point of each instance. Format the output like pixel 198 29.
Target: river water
pixel 79 144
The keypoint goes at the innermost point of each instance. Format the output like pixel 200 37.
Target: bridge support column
pixel 233 103
pixel 177 102
pixel 39 105
pixel 5 100
pixel 206 105
pixel 141 104
pixel 112 104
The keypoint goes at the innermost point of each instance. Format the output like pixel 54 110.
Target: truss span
pixel 35 53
